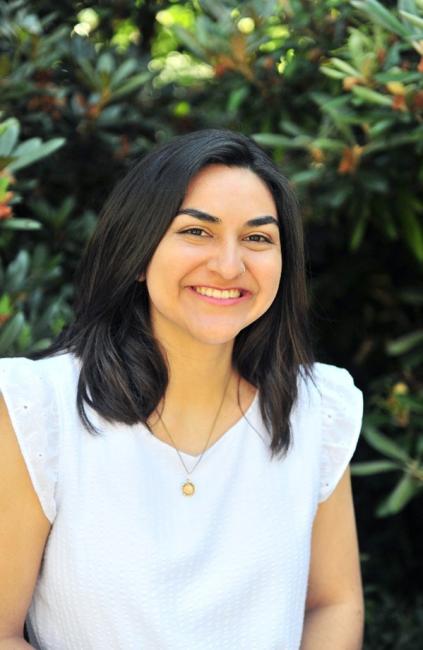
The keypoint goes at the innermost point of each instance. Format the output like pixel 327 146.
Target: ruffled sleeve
pixel 32 406
pixel 341 418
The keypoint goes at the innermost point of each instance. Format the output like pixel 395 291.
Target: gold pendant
pixel 188 488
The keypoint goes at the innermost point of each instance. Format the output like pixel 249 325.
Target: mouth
pixel 220 296
pixel 212 292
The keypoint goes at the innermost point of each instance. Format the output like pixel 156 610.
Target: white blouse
pixel 132 563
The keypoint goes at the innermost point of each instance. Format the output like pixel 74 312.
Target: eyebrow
pixel 203 216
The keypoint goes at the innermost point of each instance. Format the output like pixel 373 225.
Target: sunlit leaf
pixel 41 151
pixel 20 224
pixel 131 85
pixel 405 343
pixel 382 16
pixel 17 272
pixel 9 332
pixel 382 443
pixel 371 96
pixel 374 467
pixel 413 19
pixel 403 492
pixel 9 133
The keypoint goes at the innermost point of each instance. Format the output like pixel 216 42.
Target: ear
pixel 141 277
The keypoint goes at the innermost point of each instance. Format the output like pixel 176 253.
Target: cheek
pixel 175 259
pixel 166 272
pixel 159 266
pixel 270 273
pixel 156 278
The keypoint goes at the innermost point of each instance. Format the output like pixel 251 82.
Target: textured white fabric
pixel 130 563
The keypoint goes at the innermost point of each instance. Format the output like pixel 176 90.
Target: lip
pixel 223 302
pixel 210 286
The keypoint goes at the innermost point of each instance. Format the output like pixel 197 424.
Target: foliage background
pixel 334 91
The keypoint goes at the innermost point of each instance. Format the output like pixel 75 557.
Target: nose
pixel 227 261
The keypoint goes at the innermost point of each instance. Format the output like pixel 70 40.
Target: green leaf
pixel 42 344
pixel 9 332
pixel 384 445
pixel 272 139
pixel 25 337
pixel 190 42
pixel 391 142
pixel 236 98
pixel 373 467
pixel 63 212
pixel 305 177
pixel 413 19
pixel 38 152
pixel 20 224
pixel 105 63
pixel 5 305
pixel 371 96
pixel 345 67
pixel 276 140
pixel 330 72
pixel 403 492
pixel 132 84
pixel 123 71
pixel 89 75
pixel 380 127
pixel 291 128
pixel 411 296
pixel 397 75
pixel 17 272
pixel 381 16
pixel 4 184
pixel 5 161
pixel 413 232
pixel 413 403
pixel 26 147
pixel 405 343
pixel 218 10
pixel 358 232
pixel 8 136
pixel 329 144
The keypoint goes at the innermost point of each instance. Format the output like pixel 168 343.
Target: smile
pixel 217 293
pixel 225 297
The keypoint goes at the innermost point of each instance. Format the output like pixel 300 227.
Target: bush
pixel 334 91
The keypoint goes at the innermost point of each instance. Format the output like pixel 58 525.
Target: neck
pixel 198 375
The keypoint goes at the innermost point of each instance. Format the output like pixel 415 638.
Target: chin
pixel 214 338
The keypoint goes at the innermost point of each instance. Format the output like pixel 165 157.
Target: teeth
pixel 215 293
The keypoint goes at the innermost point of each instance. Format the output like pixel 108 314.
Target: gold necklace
pixel 188 488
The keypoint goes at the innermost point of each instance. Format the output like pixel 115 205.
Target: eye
pixel 193 231
pixel 200 232
pixel 263 240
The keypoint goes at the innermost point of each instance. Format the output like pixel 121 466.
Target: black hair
pixel 123 373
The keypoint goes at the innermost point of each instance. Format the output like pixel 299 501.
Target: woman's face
pixel 207 253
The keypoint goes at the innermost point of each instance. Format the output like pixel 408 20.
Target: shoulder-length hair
pixel 123 373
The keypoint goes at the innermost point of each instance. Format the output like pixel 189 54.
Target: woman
pixel 175 466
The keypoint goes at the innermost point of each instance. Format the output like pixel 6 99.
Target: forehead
pixel 223 190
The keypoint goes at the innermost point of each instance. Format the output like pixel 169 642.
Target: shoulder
pixel 45 372
pixel 339 396
pixel 44 364
pixel 325 383
pixel 33 389
pixel 30 393
pixel 340 412
pixel 327 375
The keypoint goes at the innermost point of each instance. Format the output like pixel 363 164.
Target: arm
pixel 23 533
pixel 334 617
pixel 15 643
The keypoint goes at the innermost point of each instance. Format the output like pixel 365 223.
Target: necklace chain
pixel 188 487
